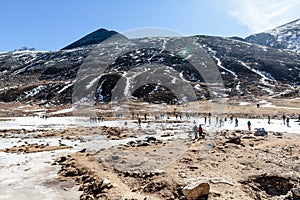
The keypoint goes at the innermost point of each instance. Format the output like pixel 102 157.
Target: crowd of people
pixel 198 130
pixel 97 119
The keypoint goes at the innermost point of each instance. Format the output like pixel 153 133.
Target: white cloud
pixel 261 15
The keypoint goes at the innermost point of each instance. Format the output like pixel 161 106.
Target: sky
pixel 53 24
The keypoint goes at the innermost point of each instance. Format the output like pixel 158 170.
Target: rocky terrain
pixel 251 168
pixel 80 158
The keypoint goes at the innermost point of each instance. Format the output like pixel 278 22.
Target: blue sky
pixel 53 24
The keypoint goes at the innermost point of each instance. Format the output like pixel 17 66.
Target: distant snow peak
pixel 283 37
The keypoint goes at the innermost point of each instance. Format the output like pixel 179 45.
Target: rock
pixel 150 139
pixel 144 144
pixel 131 143
pixel 115 157
pixel 277 134
pixel 82 150
pixel 105 182
pixel 62 159
pixel 194 193
pixel 234 140
pixel 296 193
pixel 261 132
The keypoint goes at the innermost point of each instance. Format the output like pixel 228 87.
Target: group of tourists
pixel 285 120
pixel 97 119
pixel 198 131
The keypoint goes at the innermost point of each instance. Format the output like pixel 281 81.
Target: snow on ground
pixel 275 125
pixel 35 123
pixel 264 79
pixel 30 176
pixel 68 110
pixel 92 82
pixel 270 105
pixel 27 177
pixel 244 103
pixel 55 123
pixel 65 87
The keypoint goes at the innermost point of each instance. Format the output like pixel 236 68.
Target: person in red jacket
pixel 200 131
pixel 249 125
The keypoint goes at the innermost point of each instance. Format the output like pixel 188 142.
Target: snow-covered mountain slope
pixel 283 37
pixel 247 70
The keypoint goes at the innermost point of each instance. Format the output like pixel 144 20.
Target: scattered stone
pixel 62 159
pixel 277 134
pixel 105 183
pixel 261 132
pixel 234 140
pixel 194 193
pixel 296 193
pixel 150 139
pixel 82 150
pixel 33 148
pixel 273 185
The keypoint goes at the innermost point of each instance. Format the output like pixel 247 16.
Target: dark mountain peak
pixel 95 37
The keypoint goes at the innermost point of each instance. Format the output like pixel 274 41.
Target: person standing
pixel 269 119
pixel 236 122
pixel 249 125
pixel 283 118
pixel 205 120
pixel 200 131
pixel 287 122
pixel 221 122
pixel 195 129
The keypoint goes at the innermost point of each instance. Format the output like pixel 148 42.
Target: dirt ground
pixel 233 170
pixel 236 164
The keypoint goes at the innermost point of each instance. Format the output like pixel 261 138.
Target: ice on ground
pixel 29 176
pixel 67 110
pixel 244 103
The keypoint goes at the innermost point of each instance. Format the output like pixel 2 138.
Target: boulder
pixel 277 134
pixel 196 192
pixel 261 132
pixel 296 193
pixel 234 140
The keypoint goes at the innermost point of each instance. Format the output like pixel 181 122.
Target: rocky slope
pixel 283 37
pixel 247 70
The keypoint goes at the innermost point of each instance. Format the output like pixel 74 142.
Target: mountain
pixel 283 37
pixel 95 37
pixel 248 71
